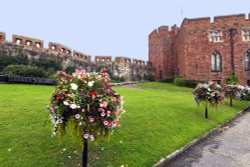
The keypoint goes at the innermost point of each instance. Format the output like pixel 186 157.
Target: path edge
pixel 176 153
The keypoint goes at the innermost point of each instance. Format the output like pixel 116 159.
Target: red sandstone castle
pixel 202 49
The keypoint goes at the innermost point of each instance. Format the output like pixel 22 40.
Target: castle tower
pixel 161 56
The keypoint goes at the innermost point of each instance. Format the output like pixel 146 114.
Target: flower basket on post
pixel 208 93
pixel 86 104
pixel 232 92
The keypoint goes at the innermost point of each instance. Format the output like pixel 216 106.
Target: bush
pixel 46 64
pixel 179 82
pixel 6 60
pixel 70 69
pixel 187 83
pixel 171 80
pixel 150 77
pixel 232 80
pixel 24 71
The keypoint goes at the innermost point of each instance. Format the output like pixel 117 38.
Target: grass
pixel 156 124
pixel 164 86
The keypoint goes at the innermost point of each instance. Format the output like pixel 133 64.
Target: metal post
pixel 232 33
pixel 85 153
pixel 206 113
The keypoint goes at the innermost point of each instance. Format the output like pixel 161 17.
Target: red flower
pixel 58 98
pixel 104 70
pixel 93 94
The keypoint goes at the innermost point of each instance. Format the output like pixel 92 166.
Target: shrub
pixel 232 80
pixel 25 71
pixel 187 83
pixel 46 63
pixel 6 60
pixel 179 82
pixel 150 77
pixel 171 80
pixel 70 69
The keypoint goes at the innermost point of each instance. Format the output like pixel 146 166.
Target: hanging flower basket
pixel 208 93
pixel 85 104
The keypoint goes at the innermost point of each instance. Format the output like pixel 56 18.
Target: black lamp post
pixel 232 32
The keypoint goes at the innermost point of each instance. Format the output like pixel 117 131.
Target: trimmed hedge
pixel 25 71
pixel 187 83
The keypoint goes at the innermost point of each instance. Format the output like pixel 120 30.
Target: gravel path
pixel 231 148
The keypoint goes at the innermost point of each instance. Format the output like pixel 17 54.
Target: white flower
pixel 66 103
pixel 73 86
pixel 240 87
pixel 90 83
pixel 73 106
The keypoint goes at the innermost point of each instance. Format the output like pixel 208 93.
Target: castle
pixel 202 49
pixel 130 69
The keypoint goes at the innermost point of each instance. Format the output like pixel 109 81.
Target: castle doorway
pixel 160 74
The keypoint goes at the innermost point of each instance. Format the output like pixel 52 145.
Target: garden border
pixel 218 129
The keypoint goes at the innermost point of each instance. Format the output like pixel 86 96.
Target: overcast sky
pixel 105 27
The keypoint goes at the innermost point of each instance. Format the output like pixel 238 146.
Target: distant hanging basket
pixel 208 93
pixel 87 105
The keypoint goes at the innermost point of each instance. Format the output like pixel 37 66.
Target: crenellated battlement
pixel 59 48
pixel 139 62
pixel 103 59
pixel 81 56
pixel 123 60
pixel 2 37
pixel 59 51
pixel 27 41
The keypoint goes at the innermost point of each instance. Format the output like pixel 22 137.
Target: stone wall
pixel 34 48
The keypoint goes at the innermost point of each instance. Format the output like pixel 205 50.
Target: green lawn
pixel 163 86
pixel 156 124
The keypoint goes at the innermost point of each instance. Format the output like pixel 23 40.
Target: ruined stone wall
pixel 34 48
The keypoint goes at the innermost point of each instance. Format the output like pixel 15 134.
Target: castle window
pixel 216 62
pixel 38 45
pixel 53 47
pixel 28 43
pixel 246 34
pixel 215 36
pixel 18 41
pixel 103 60
pixel 62 50
pixel 97 59
pixel 247 60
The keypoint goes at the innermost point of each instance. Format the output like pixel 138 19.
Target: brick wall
pixel 191 51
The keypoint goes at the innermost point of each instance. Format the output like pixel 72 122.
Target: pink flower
pixel 86 136
pixel 91 120
pixel 101 110
pixel 105 123
pixel 83 110
pixel 103 114
pixel 103 104
pixel 77 116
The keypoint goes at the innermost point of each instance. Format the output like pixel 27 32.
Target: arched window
pixel 216 62
pixel 247 60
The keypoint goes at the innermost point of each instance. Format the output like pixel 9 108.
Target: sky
pixel 105 27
